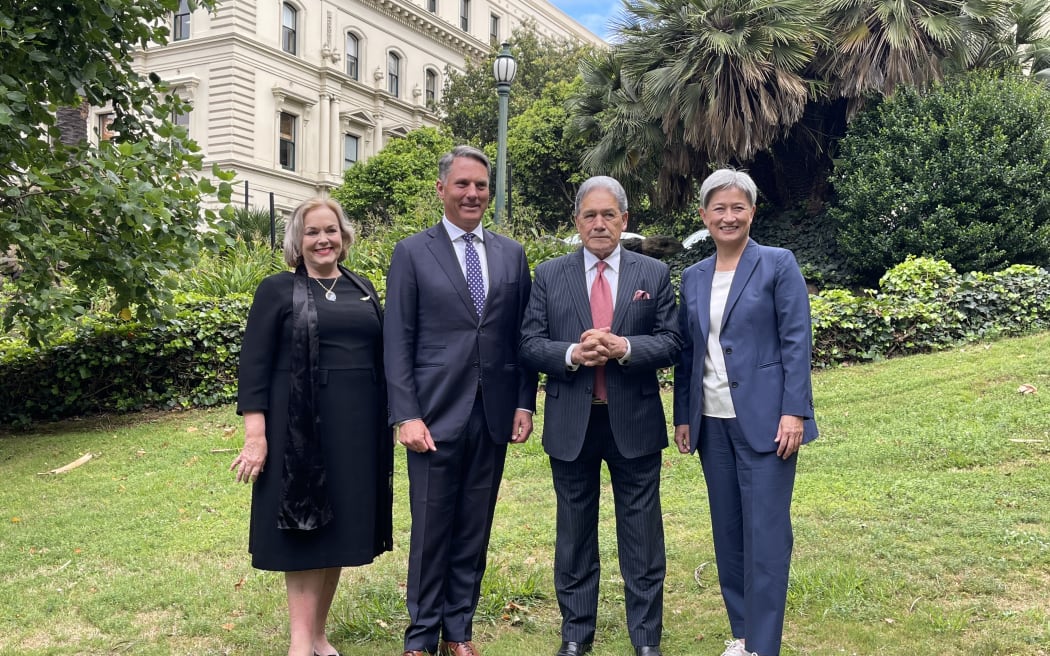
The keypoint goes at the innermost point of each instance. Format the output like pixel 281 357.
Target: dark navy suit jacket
pixel 436 350
pixel 560 311
pixel 766 342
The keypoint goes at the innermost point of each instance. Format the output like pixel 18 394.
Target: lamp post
pixel 504 69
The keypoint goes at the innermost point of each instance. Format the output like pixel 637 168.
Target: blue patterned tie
pixel 474 279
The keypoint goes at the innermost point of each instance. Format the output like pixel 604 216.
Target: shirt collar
pixel 613 261
pixel 455 232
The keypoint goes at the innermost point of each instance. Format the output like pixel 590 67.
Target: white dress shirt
pixel 612 276
pixel 455 233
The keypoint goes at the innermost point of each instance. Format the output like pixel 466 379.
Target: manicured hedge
pixel 116 366
pixel 924 305
pixel 119 366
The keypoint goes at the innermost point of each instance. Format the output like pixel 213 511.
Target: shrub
pixel 958 173
pixel 237 269
pixel 394 181
pixel 924 305
pixel 112 365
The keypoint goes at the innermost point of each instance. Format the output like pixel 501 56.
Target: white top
pixel 455 233
pixel 718 402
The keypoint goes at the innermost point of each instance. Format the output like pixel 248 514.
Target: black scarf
pixel 304 499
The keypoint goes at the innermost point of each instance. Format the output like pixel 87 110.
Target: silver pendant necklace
pixel 328 293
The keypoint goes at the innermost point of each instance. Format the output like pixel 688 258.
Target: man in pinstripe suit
pixel 599 323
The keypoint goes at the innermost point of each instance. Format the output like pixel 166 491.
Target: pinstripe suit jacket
pixel 559 312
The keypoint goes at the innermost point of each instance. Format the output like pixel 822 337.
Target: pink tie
pixel 602 315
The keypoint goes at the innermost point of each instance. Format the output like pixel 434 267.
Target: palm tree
pixel 772 83
pixel 699 81
pixel 880 44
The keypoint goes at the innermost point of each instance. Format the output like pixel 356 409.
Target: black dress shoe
pixel 574 649
pixel 647 650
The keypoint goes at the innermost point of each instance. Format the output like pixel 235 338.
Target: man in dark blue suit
pixel 600 322
pixel 455 298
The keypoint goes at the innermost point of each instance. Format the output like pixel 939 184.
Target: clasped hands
pixel 597 346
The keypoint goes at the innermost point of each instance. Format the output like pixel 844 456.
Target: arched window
pixel 430 88
pixel 393 74
pixel 353 49
pixel 289 28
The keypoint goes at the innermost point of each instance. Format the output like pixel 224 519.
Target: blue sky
pixel 592 14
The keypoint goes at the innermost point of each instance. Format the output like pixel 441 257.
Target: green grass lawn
pixel 922 526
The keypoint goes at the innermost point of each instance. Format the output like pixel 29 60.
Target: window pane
pixel 432 5
pixel 351 55
pixel 464 15
pixel 181 28
pixel 431 89
pixel 286 149
pixel 289 17
pixel 350 144
pixel 494 29
pixel 393 74
pixel 105 126
pixel 181 118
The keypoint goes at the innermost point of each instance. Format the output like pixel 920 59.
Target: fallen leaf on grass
pixel 228 626
pixel 65 468
pixel 239 584
pixel 1027 388
pixel 15 520
pixel 191 429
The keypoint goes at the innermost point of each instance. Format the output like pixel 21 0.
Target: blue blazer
pixel 437 351
pixel 560 311
pixel 766 340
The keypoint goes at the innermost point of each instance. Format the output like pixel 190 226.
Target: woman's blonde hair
pixel 293 229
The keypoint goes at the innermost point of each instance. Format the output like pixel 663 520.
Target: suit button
pixel 734 385
pixel 729 351
pixel 475 364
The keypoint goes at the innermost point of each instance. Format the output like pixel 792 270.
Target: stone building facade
pixel 288 93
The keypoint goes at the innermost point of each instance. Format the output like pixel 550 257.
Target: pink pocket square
pixel 641 295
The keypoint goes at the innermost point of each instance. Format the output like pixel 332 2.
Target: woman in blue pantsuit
pixel 743 396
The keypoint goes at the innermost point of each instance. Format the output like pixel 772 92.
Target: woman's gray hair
pixel 612 185
pixel 728 179
pixel 293 229
pixel 445 163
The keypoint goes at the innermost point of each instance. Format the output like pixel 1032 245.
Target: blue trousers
pixel 750 498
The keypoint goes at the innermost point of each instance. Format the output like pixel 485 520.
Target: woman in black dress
pixel 317 448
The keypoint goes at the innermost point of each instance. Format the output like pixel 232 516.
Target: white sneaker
pixel 735 648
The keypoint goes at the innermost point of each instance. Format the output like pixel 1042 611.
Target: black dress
pixel 356 444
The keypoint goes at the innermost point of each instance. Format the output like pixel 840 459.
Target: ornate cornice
pixel 430 25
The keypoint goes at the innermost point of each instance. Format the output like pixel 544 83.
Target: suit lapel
pixel 441 248
pixel 705 276
pixel 744 268
pixel 497 261
pixel 625 288
pixel 576 278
